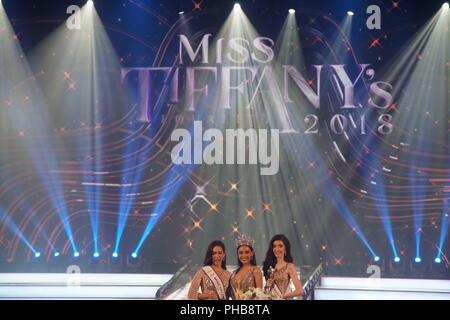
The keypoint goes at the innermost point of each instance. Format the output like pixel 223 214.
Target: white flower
pixel 256 294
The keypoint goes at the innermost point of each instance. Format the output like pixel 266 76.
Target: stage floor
pixel 144 287
pixel 80 285
pixel 346 288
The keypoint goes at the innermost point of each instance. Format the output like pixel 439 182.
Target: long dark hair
pixel 208 257
pixel 252 261
pixel 271 260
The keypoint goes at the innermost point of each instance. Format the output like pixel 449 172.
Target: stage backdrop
pixel 135 132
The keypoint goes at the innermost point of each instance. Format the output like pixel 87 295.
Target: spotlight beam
pixel 38 149
pixel 13 227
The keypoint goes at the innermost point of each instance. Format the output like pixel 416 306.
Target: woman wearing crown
pixel 247 275
pixel 213 278
pixel 279 270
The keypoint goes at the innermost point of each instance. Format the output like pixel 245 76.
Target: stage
pixel 345 288
pixel 140 138
pixel 57 286
pixel 145 287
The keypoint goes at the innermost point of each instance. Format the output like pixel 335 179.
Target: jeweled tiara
pixel 244 240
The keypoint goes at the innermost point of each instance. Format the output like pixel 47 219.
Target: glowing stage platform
pixel 343 288
pixel 80 285
pixel 58 286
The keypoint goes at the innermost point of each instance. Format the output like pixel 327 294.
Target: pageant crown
pixel 244 240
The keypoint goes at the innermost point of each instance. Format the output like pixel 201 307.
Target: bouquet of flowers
pixel 256 294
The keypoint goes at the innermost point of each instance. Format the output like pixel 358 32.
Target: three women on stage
pixel 216 283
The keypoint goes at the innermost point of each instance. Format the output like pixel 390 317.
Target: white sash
pixel 216 281
pixel 278 291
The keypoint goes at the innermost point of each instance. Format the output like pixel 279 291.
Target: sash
pixel 278 291
pixel 216 281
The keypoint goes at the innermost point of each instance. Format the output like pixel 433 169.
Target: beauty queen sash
pixel 216 281
pixel 278 291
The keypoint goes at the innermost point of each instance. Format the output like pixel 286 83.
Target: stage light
pixel 397 259
pixel 418 260
pixel 438 260
pixel 96 254
pixel 237 6
pixel 56 254
pixel 350 13
pixel 115 255
pixel 377 258
pixel 90 2
pixel 291 11
pixel 37 254
pixel 76 254
pixel 445 6
pixel 180 13
pixel 134 255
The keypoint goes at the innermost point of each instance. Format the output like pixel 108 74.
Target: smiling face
pixel 217 256
pixel 279 249
pixel 245 254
